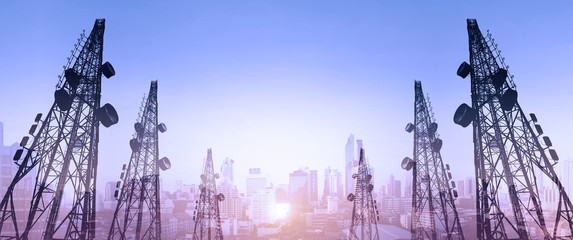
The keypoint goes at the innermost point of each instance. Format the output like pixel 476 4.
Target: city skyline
pixel 286 92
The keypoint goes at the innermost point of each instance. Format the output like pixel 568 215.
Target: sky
pixel 281 85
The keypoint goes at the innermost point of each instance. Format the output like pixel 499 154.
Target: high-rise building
pixel 338 182
pixel 299 189
pixel 461 189
pixel 7 166
pixel 397 189
pixel 469 187
pixel 110 188
pixel 255 181
pixel 313 184
pixel 391 185
pixel 227 170
pixel 264 206
pixel 230 207
pixel 326 189
pixel 349 163
pixel 565 172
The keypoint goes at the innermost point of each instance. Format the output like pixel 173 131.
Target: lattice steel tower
pixel 434 214
pixel 509 157
pixel 137 215
pixel 207 219
pixel 65 149
pixel 364 224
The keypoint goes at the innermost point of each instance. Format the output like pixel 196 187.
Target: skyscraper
pixel 264 206
pixel 230 206
pixel 299 189
pixel 313 182
pixel 227 170
pixel 397 189
pixel 7 166
pixel 326 189
pixel 391 186
pixel 255 181
pixel 349 163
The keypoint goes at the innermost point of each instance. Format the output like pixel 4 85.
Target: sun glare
pixel 282 210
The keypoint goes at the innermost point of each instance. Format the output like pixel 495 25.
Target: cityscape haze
pixel 286 93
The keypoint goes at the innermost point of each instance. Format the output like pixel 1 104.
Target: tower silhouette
pixel 207 218
pixel 507 152
pixel 64 152
pixel 364 224
pixel 137 215
pixel 434 214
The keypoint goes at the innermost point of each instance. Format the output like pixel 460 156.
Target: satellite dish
pixel 498 79
pixel 407 163
pixel 410 127
pixel 220 197
pixel 107 70
pixel 139 129
pixel 464 115
pixel 162 128
pixel 107 115
pixel 63 99
pixel 164 163
pixel 464 70
pixel 134 144
pixel 72 77
pixel 433 128
pixel 508 99
pixel 217 176
pixel 350 197
pixel 437 145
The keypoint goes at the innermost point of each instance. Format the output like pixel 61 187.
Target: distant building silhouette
pixel 349 163
pixel 255 181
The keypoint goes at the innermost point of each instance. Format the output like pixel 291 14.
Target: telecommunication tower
pixel 509 155
pixel 434 214
pixel 64 147
pixel 207 218
pixel 364 224
pixel 137 215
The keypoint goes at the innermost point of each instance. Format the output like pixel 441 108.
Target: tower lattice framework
pixel 63 153
pixel 137 214
pixel 364 224
pixel 434 214
pixel 207 218
pixel 509 155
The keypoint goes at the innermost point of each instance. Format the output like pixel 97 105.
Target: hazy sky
pixel 281 84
